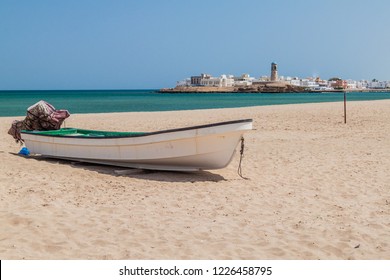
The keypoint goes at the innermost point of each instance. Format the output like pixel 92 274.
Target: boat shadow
pixel 171 176
pixel 143 174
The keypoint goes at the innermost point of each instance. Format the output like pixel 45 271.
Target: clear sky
pixel 143 44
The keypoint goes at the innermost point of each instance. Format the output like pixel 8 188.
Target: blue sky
pixel 92 44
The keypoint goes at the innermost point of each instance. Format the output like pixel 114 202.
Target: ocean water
pixel 15 103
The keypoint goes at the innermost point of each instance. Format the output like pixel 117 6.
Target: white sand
pixel 318 189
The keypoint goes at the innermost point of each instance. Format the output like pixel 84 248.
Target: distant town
pixel 274 83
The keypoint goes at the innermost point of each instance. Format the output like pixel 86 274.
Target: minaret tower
pixel 274 72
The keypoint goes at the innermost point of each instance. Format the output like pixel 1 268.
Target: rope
pixel 239 171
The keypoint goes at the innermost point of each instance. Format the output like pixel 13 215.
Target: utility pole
pixel 345 106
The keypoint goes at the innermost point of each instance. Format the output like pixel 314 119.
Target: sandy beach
pixel 317 189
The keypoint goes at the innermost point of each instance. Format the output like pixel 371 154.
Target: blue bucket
pixel 24 151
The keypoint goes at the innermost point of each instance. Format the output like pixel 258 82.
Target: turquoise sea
pixel 15 103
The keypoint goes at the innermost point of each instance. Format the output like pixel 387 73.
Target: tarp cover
pixel 40 116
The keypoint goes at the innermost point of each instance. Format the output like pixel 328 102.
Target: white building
pixel 362 84
pixel 378 84
pixel 243 80
pixel 351 84
pixel 184 83
pixel 222 81
pixel 264 79
pixel 295 82
pixel 309 83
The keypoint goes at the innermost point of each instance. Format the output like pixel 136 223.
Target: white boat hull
pixel 186 149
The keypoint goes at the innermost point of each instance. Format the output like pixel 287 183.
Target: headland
pixel 265 87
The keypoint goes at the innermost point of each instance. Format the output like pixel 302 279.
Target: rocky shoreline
pixel 258 88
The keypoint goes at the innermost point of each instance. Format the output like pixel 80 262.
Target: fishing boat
pixel 203 147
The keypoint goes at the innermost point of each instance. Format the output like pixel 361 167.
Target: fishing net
pixel 40 116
